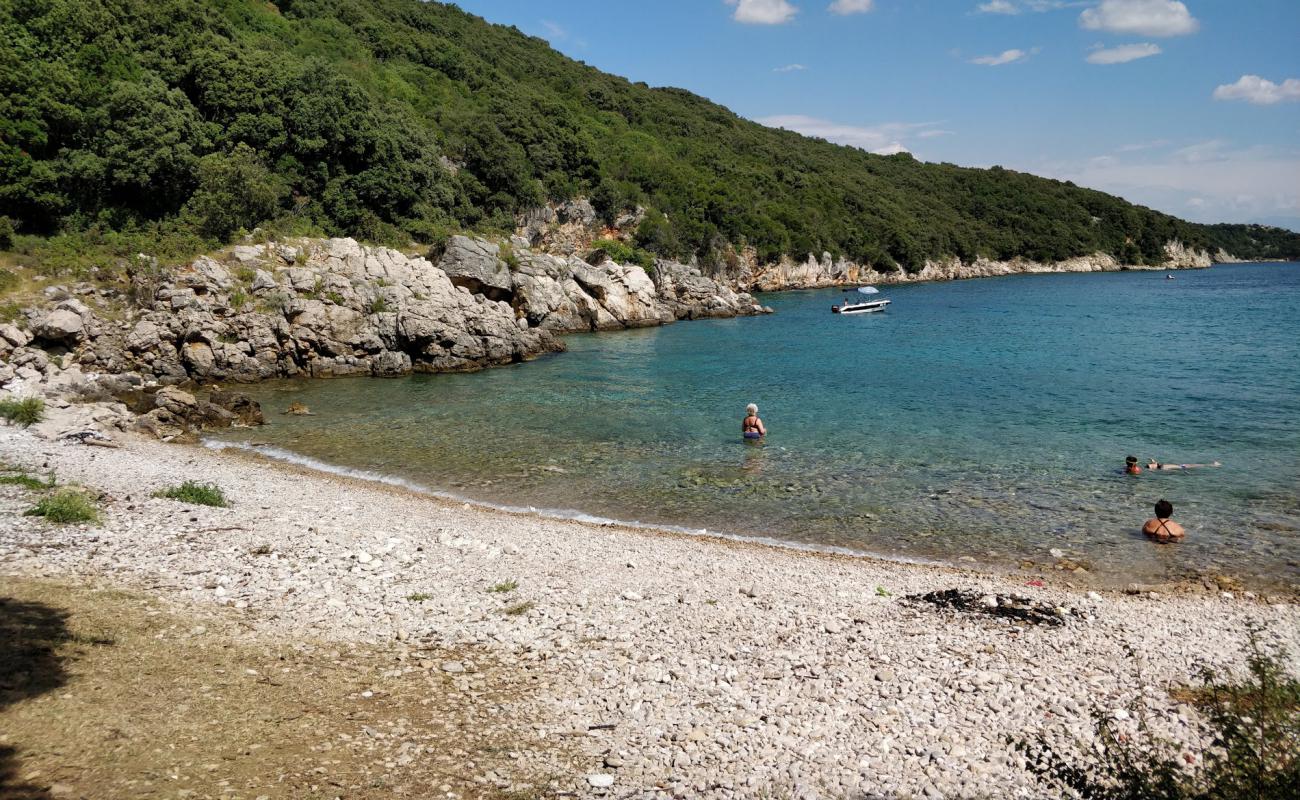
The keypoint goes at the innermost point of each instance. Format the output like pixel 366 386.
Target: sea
pixel 981 422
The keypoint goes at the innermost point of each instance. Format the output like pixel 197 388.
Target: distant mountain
pixel 389 119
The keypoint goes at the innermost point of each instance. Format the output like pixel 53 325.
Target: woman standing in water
pixel 751 427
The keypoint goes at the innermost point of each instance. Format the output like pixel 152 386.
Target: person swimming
pixel 1131 466
pixel 1170 467
pixel 751 427
pixel 1161 527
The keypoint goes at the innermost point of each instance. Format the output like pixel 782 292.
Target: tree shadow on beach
pixel 32 663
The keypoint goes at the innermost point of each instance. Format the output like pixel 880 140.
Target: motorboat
pixel 862 306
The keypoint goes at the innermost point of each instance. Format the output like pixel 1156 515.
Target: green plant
pixel 1253 750
pixel 378 304
pixel 27 481
pixel 66 506
pixel 25 412
pixel 238 299
pixel 516 609
pixel 335 298
pixel 504 587
pixel 6 233
pixel 204 494
pixel 419 597
pixel 507 254
pixel 8 281
pixel 10 312
pixel 883 592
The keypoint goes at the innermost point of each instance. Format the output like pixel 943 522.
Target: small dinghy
pixel 862 306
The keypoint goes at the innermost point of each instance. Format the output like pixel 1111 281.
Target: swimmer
pixel 1171 467
pixel 751 427
pixel 1162 528
pixel 1131 466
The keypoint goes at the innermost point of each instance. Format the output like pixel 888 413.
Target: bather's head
pixel 751 409
pixel 1164 509
pixel 1131 460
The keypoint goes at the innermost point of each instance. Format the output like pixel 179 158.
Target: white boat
pixel 864 306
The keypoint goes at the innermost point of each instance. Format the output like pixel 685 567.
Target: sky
pixel 1189 107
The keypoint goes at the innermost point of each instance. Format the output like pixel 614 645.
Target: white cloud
pixel 1140 17
pixel 1123 53
pixel 762 12
pixel 554 30
pixel 1260 91
pixel 1138 146
pixel 1208 181
pixel 790 68
pixel 1202 152
pixel 1005 57
pixel 885 139
pixel 851 6
pixel 930 134
pixel 997 7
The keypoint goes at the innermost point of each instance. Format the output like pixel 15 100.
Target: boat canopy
pixel 868 290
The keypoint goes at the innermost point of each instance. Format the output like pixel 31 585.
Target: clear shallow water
pixel 985 419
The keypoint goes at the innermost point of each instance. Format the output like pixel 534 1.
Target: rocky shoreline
pixel 679 666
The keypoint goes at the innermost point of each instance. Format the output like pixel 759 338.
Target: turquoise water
pixel 983 420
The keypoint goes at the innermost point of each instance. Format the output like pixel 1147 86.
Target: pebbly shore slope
pixel 682 666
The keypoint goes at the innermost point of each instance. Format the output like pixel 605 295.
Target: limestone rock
pixel 60 326
pixel 477 266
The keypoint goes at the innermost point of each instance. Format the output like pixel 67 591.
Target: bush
pixel 6 233
pixel 622 253
pixel 235 191
pixel 203 494
pixel 507 252
pixel 1254 751
pixel 25 412
pixel 8 281
pixel 66 506
pixel 379 304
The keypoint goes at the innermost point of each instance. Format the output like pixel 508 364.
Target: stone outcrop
pixel 333 307
pixel 817 273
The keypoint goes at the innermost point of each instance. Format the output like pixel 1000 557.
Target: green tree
pixel 235 191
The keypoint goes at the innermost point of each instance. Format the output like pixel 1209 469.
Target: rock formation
pixel 326 308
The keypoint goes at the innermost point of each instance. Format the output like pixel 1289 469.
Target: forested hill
pixel 388 119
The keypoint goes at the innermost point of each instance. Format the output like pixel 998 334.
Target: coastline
pixel 683 664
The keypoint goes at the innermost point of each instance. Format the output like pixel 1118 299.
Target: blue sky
pixel 1191 107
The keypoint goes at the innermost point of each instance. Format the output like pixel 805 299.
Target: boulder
pixel 247 411
pixel 476 265
pixel 60 326
pixel 15 336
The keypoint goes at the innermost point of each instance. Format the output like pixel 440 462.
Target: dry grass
pixel 109 694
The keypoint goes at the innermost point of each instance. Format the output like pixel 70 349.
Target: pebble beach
pixel 677 666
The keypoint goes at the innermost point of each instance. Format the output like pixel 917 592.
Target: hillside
pixel 394 119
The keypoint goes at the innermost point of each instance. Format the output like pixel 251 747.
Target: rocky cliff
pixel 333 307
pixel 573 226
pixel 814 273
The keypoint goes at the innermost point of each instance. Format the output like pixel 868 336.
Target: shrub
pixel 235 191
pixel 1254 731
pixel 504 587
pixel 519 608
pixel 238 299
pixel 66 506
pixel 379 304
pixel 622 253
pixel 6 233
pixel 8 281
pixel 507 253
pixel 25 412
pixel 203 494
